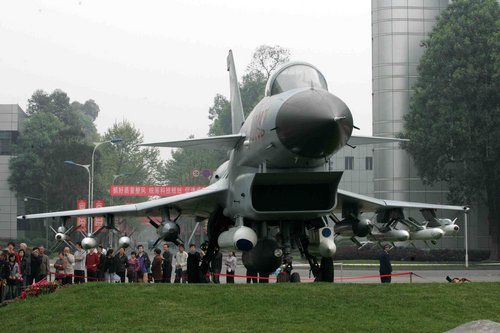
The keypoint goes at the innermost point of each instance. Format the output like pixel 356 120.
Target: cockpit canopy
pixel 295 75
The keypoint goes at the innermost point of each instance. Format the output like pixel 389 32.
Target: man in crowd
pixel 181 265
pixel 216 266
pixel 385 265
pixel 91 263
pixel 193 265
pixel 144 264
pixel 100 266
pixel 35 264
pixel 44 265
pixel 167 264
pixel 79 264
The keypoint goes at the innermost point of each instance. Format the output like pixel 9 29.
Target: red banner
pixel 81 221
pixel 98 220
pixel 150 191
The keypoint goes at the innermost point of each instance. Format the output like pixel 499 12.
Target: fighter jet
pixel 275 190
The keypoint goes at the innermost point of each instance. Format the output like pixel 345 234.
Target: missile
pixel 89 243
pixel 60 237
pixel 167 231
pixel 427 234
pixel 450 229
pixel 390 236
pixel 353 227
pixel 124 242
pixel 239 238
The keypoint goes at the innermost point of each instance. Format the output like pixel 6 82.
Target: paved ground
pixel 424 276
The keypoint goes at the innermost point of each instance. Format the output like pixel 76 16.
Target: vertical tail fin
pixel 237 116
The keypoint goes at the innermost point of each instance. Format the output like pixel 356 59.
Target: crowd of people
pixel 20 267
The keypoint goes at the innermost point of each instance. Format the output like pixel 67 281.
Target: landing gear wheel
pixel 282 277
pixel 295 277
pixel 325 270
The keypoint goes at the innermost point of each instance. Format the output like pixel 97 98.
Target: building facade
pixel 11 122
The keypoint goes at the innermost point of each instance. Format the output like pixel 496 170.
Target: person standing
pixel 44 265
pixel 35 264
pixel 385 265
pixel 252 276
pixel 193 265
pixel 79 263
pixel 4 274
pixel 167 264
pixel 121 264
pixel 110 267
pixel 69 271
pixel 14 275
pixel 181 265
pixel 132 268
pixel 230 267
pixel 216 266
pixel 102 261
pixel 59 267
pixel 144 264
pixel 25 267
pixel 157 266
pixel 91 263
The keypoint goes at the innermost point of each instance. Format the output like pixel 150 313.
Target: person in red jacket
pixel 91 263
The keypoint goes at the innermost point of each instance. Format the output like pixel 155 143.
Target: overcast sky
pixel 159 64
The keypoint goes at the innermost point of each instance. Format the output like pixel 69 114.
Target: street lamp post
pixel 46 221
pixel 96 145
pixel 466 227
pixel 86 167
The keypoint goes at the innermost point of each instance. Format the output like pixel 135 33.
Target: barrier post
pixel 341 272
pixel 411 277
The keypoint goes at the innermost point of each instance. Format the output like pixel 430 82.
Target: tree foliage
pixel 54 132
pixel 266 59
pixel 125 163
pixel 454 122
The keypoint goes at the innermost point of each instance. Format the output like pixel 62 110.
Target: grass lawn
pixel 314 307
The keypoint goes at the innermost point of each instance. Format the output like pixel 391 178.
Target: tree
pixel 454 122
pixel 266 59
pixel 125 162
pixel 53 133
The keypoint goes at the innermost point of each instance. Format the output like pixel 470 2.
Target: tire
pixel 295 278
pixel 326 270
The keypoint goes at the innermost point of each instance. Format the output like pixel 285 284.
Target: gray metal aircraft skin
pixel 275 191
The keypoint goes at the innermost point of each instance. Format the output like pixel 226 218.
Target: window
pixel 349 162
pixel 369 163
pixel 7 138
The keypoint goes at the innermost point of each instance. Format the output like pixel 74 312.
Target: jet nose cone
pixel 314 123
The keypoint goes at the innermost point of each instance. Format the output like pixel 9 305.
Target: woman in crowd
pixel 156 266
pixel 121 264
pixel 132 268
pixel 25 268
pixel 60 266
pixel 14 277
